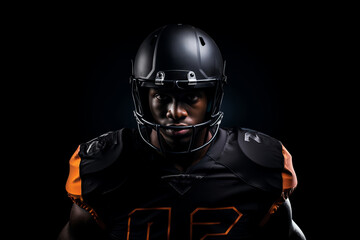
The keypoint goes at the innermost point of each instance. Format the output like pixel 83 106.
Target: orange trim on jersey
pixel 73 183
pixel 271 211
pixel 89 209
pixel 149 223
pixel 288 174
pixel 289 183
pixel 73 187
pixel 192 223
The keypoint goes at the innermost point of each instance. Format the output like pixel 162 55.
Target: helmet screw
pixel 192 78
pixel 160 76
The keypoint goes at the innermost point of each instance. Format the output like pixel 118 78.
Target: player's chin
pixel 177 139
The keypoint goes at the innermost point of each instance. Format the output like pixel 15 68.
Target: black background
pixel 70 76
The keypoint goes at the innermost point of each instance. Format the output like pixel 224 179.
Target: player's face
pixel 178 108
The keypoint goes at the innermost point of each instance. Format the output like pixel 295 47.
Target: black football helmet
pixel 178 56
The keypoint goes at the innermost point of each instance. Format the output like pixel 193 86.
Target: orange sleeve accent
pixel 73 184
pixel 288 174
pixel 289 183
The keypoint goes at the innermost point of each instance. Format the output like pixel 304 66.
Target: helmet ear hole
pixel 202 41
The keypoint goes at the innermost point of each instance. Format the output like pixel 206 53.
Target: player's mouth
pixel 180 132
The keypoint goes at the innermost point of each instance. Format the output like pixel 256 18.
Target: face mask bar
pixel 145 127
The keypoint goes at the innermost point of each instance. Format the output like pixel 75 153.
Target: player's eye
pixel 192 98
pixel 161 97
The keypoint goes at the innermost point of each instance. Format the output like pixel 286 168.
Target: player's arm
pixel 281 225
pixel 81 225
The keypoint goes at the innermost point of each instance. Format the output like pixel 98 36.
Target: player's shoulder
pixel 261 148
pixel 100 143
pixel 91 164
pixel 257 146
pixel 104 150
pixel 256 158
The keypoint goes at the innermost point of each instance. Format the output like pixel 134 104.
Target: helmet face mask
pixel 178 58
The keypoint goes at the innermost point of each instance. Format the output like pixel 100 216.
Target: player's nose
pixel 176 110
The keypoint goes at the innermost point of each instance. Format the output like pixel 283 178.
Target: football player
pixel 179 175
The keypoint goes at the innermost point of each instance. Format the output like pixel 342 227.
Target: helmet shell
pixel 176 50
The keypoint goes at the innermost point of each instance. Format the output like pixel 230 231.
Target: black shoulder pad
pixel 261 148
pixel 255 158
pixel 104 162
pixel 97 144
pixel 100 152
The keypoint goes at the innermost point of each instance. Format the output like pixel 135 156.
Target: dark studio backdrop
pixel 275 60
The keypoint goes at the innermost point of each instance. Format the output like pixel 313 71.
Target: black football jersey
pixel 135 194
